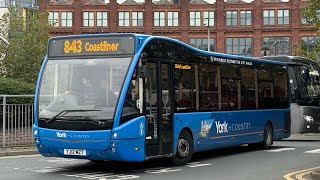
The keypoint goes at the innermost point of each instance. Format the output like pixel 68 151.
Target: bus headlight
pixel 35 132
pixel 308 118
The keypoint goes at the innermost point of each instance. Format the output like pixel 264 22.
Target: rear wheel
pixel 267 138
pixel 184 149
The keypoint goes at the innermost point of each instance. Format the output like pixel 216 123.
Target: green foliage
pixel 10 86
pixel 312 14
pixel 313 55
pixel 28 41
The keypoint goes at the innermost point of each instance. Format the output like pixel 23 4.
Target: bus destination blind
pixel 81 46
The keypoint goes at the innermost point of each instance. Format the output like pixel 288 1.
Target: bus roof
pixel 144 39
pixel 298 59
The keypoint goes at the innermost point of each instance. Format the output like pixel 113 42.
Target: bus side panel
pixel 223 129
pixel 295 118
pixel 128 140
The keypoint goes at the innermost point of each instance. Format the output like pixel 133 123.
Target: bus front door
pixel 158 107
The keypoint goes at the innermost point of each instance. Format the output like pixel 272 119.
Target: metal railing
pixel 17 120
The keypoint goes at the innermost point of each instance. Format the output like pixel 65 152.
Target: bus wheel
pixel 267 137
pixel 184 149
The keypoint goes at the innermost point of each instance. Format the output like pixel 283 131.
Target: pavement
pixel 16 151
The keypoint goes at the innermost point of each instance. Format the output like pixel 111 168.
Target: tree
pixel 27 34
pixel 311 13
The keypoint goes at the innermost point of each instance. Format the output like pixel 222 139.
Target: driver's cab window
pixel 130 106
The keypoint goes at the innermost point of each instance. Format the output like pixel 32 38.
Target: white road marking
pixel 280 150
pixel 48 170
pixel 102 176
pixel 164 170
pixel 313 151
pixel 197 164
pixel 62 160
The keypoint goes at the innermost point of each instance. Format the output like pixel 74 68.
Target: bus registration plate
pixel 75 152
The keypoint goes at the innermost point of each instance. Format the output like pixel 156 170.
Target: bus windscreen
pixel 91 46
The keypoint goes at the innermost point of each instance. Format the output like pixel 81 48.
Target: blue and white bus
pixel 131 97
pixel 304 80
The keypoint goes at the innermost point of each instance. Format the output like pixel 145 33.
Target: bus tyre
pixel 267 137
pixel 184 149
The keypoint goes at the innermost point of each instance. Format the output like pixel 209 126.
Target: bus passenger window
pixel 265 86
pixel 280 90
pixel 248 90
pixel 208 87
pixel 230 88
pixel 184 86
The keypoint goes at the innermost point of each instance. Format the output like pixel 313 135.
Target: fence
pixel 17 120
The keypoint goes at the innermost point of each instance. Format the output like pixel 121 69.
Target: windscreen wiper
pixel 67 111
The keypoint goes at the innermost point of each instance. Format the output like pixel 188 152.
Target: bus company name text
pixel 225 127
pixel 230 61
pixel 78 46
pixel 72 136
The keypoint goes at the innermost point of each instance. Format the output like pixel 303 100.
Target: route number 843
pixel 74 46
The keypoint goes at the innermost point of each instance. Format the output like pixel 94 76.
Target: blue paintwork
pixel 129 143
pixel 130 139
pixel 251 124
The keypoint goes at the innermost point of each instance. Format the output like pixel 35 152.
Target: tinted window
pixel 184 85
pixel 208 74
pixel 248 88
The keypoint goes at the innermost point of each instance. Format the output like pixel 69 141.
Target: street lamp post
pixel 206 23
pixel 264 50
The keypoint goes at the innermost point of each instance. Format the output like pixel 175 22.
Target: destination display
pixel 93 45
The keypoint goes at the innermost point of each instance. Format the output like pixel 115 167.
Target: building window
pixel 66 19
pixel 88 19
pixel 277 45
pixel 159 18
pixel 232 18
pixel 137 18
pixel 209 15
pixel 239 46
pixel 195 18
pixel 173 19
pixel 245 18
pixel 102 19
pixel 202 43
pixel 268 17
pixel 283 16
pixel 124 19
pixel 310 44
pixel 53 19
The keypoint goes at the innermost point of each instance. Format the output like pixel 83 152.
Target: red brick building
pixel 235 26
